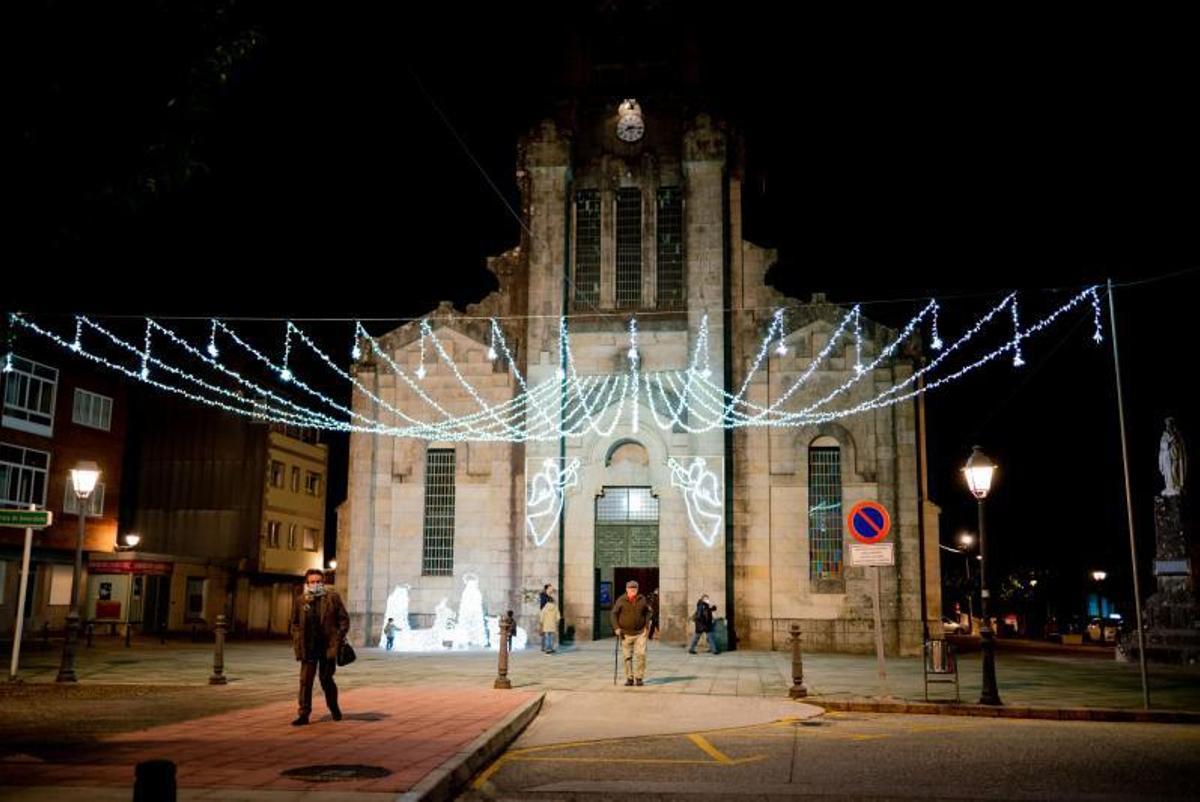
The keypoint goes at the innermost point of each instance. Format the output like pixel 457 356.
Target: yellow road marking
pixel 482 779
pixel 639 760
pixel 709 749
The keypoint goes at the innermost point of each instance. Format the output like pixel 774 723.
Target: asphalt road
pixel 862 756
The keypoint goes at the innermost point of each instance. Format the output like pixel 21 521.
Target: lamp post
pixel 1098 577
pixel 83 481
pixel 966 540
pixel 979 471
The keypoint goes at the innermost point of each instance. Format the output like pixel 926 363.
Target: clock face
pixel 630 127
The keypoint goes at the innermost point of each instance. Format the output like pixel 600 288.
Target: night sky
pixel 252 159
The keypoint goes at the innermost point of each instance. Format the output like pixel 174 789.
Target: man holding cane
pixel 631 621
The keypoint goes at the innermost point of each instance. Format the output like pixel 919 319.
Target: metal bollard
pixel 128 633
pixel 45 634
pixel 502 680
pixel 218 675
pixel 193 633
pixel 91 630
pixel 154 781
pixel 798 690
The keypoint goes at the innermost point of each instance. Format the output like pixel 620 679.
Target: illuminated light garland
pixel 569 404
pixel 212 341
pixel 254 411
pixel 145 353
pixel 1018 361
pixel 701 491
pixel 544 501
pixel 633 371
pixel 936 342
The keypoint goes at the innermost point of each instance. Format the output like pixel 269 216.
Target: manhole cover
pixel 335 773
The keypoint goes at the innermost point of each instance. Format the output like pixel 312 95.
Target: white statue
pixel 469 629
pixel 1172 460
pixel 397 612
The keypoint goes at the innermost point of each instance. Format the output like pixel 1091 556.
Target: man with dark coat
pixel 704 625
pixel 319 625
pixel 631 621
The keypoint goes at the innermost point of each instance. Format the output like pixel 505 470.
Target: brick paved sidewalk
pixel 407 731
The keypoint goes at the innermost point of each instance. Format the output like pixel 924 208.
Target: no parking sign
pixel 869 524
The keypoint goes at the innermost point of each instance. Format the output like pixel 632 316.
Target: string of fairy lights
pixel 419 402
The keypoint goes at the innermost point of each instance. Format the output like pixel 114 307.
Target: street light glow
pixel 84 476
pixel 979 470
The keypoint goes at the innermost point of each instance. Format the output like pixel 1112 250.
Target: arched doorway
pixel 626 527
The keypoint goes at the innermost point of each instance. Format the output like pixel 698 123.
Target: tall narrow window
pixel 824 512
pixel 437 547
pixel 587 247
pixel 669 234
pixel 629 247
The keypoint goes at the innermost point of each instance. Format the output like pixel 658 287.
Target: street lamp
pixel 131 540
pixel 83 481
pixel 1098 577
pixel 333 565
pixel 966 540
pixel 979 471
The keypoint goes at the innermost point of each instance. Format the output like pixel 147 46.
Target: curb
pixel 448 779
pixel 1009 711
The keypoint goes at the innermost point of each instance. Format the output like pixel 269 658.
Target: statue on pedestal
pixel 1172 459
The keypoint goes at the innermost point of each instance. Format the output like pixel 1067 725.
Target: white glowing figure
pixel 397 611
pixel 469 629
pixel 702 497
pixel 544 504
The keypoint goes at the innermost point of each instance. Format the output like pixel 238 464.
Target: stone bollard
pixel 798 690
pixel 502 680
pixel 154 781
pixel 218 675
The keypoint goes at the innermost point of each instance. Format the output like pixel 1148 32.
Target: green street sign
pixel 31 519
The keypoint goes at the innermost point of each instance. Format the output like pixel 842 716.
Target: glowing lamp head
pixel 979 471
pixel 84 477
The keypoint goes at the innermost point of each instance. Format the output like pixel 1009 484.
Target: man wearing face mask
pixel 319 625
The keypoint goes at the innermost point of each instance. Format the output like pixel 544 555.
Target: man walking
pixel 704 625
pixel 319 625
pixel 631 621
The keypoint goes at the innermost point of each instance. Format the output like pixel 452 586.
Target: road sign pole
pixel 16 650
pixel 882 664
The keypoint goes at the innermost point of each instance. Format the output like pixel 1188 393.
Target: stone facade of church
pixel 649 228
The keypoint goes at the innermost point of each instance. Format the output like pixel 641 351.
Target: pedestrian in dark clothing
pixel 704 625
pixel 319 625
pixel 545 595
pixel 653 614
pixel 631 621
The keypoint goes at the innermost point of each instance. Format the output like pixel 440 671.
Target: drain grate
pixel 337 772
